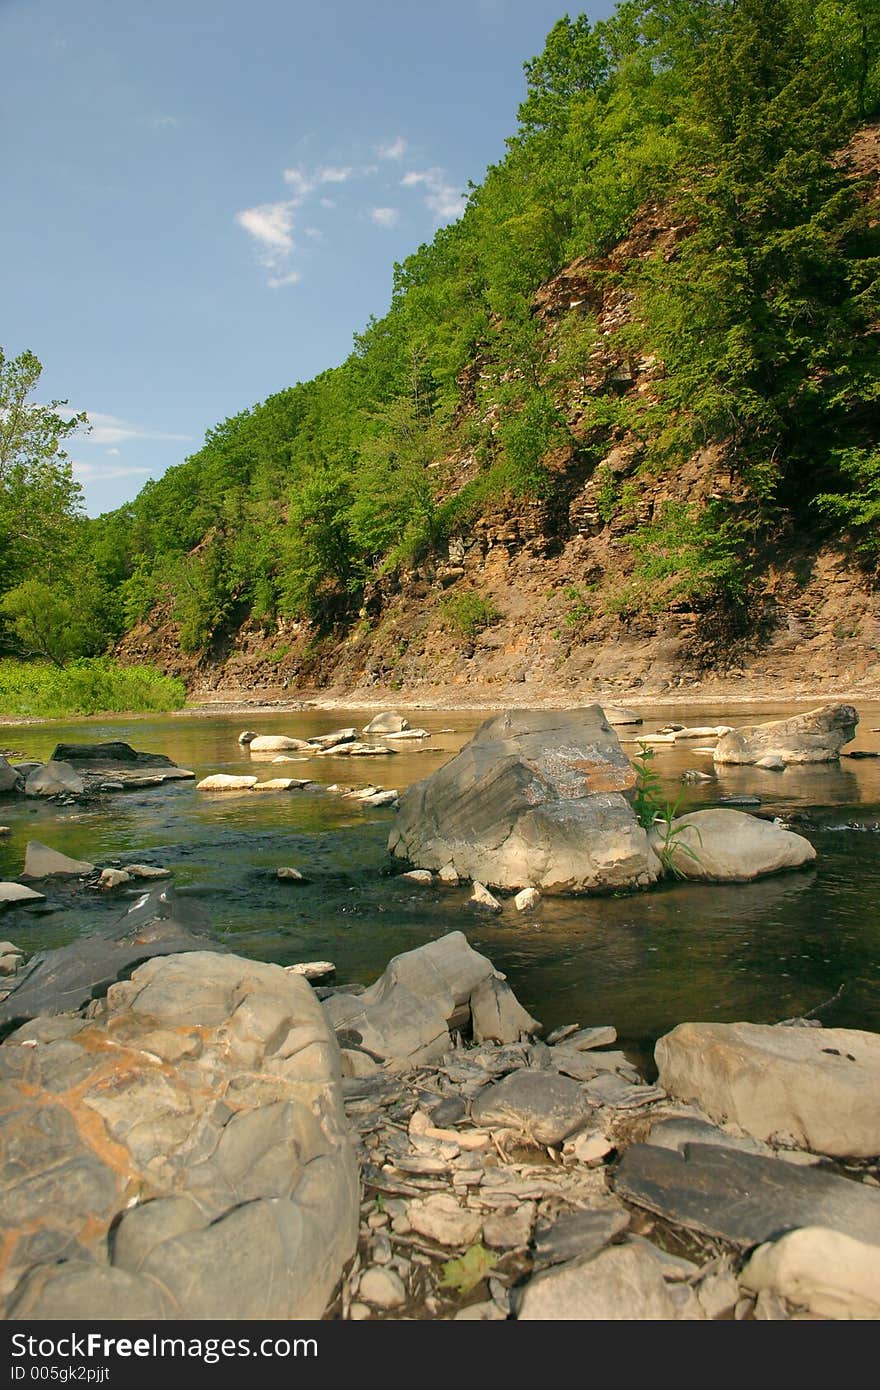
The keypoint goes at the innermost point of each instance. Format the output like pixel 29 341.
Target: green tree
pixel 39 497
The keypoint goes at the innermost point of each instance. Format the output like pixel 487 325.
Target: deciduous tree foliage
pixel 730 115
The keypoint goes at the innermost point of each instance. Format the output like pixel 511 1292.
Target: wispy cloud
pixel 443 198
pixel 393 149
pixel 106 472
pixel 278 282
pixel 334 174
pixel 109 429
pixel 271 225
pixel 300 182
pixel 164 122
pixel 384 217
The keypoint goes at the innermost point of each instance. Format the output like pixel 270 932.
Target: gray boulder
pixel 621 1284
pixel 724 846
pixel 410 1009
pixel 830 1274
pixel 536 799
pixel 814 737
pixel 54 779
pixel 11 779
pixel 118 761
pixel 812 1088
pixel 544 1107
pixel 386 723
pixel 182 1153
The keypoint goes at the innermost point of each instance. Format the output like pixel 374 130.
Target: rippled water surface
pixel 761 951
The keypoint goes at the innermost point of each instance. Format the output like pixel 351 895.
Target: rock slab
pixel 812 1088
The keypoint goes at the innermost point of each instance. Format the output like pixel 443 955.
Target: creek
pixel 763 951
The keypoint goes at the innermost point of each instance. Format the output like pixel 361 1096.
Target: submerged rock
pixel 814 737
pixel 813 1088
pixel 42 862
pixel 727 846
pixel 534 800
pixel 64 980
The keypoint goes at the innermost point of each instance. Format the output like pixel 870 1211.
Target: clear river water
pixel 763 951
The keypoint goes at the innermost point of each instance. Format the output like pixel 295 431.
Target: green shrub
pixel 469 613
pixel 89 686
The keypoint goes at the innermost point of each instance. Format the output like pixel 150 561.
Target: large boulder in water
pixel 536 799
pixel 814 737
pixel 724 846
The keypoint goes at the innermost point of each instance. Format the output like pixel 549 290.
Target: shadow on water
pixel 761 951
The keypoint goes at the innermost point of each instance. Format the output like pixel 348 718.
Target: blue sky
pixel 204 199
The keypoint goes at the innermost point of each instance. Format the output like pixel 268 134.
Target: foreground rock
pixel 13 894
pixel 622 1283
pixel 814 737
pixel 814 1088
pixel 409 1011
pixel 534 800
pixel 724 846
pixel 67 979
pixel 741 1197
pixel 830 1274
pixel 181 1153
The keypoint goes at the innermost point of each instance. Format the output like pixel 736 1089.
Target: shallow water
pixel 762 951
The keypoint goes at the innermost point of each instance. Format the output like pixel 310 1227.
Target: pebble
pixel 527 898
pixel 441 1218
pixel 358 1312
pixel 424 877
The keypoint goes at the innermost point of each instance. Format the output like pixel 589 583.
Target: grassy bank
pixel 92 685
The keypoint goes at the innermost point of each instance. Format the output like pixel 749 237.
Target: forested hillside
pixel 641 368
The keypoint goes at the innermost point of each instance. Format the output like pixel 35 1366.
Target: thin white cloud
pixel 327 202
pixel 105 472
pixel 278 282
pixel 335 174
pixel 271 225
pixel 113 452
pixel 444 199
pixel 393 149
pixel 109 429
pixel 300 182
pixel 384 217
pixel 164 122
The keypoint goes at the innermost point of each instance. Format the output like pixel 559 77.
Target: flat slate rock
pixel 742 1197
pixel 577 1233
pixel 63 981
pixel 126 764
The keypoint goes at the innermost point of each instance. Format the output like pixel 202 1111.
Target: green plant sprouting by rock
pixel 654 812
